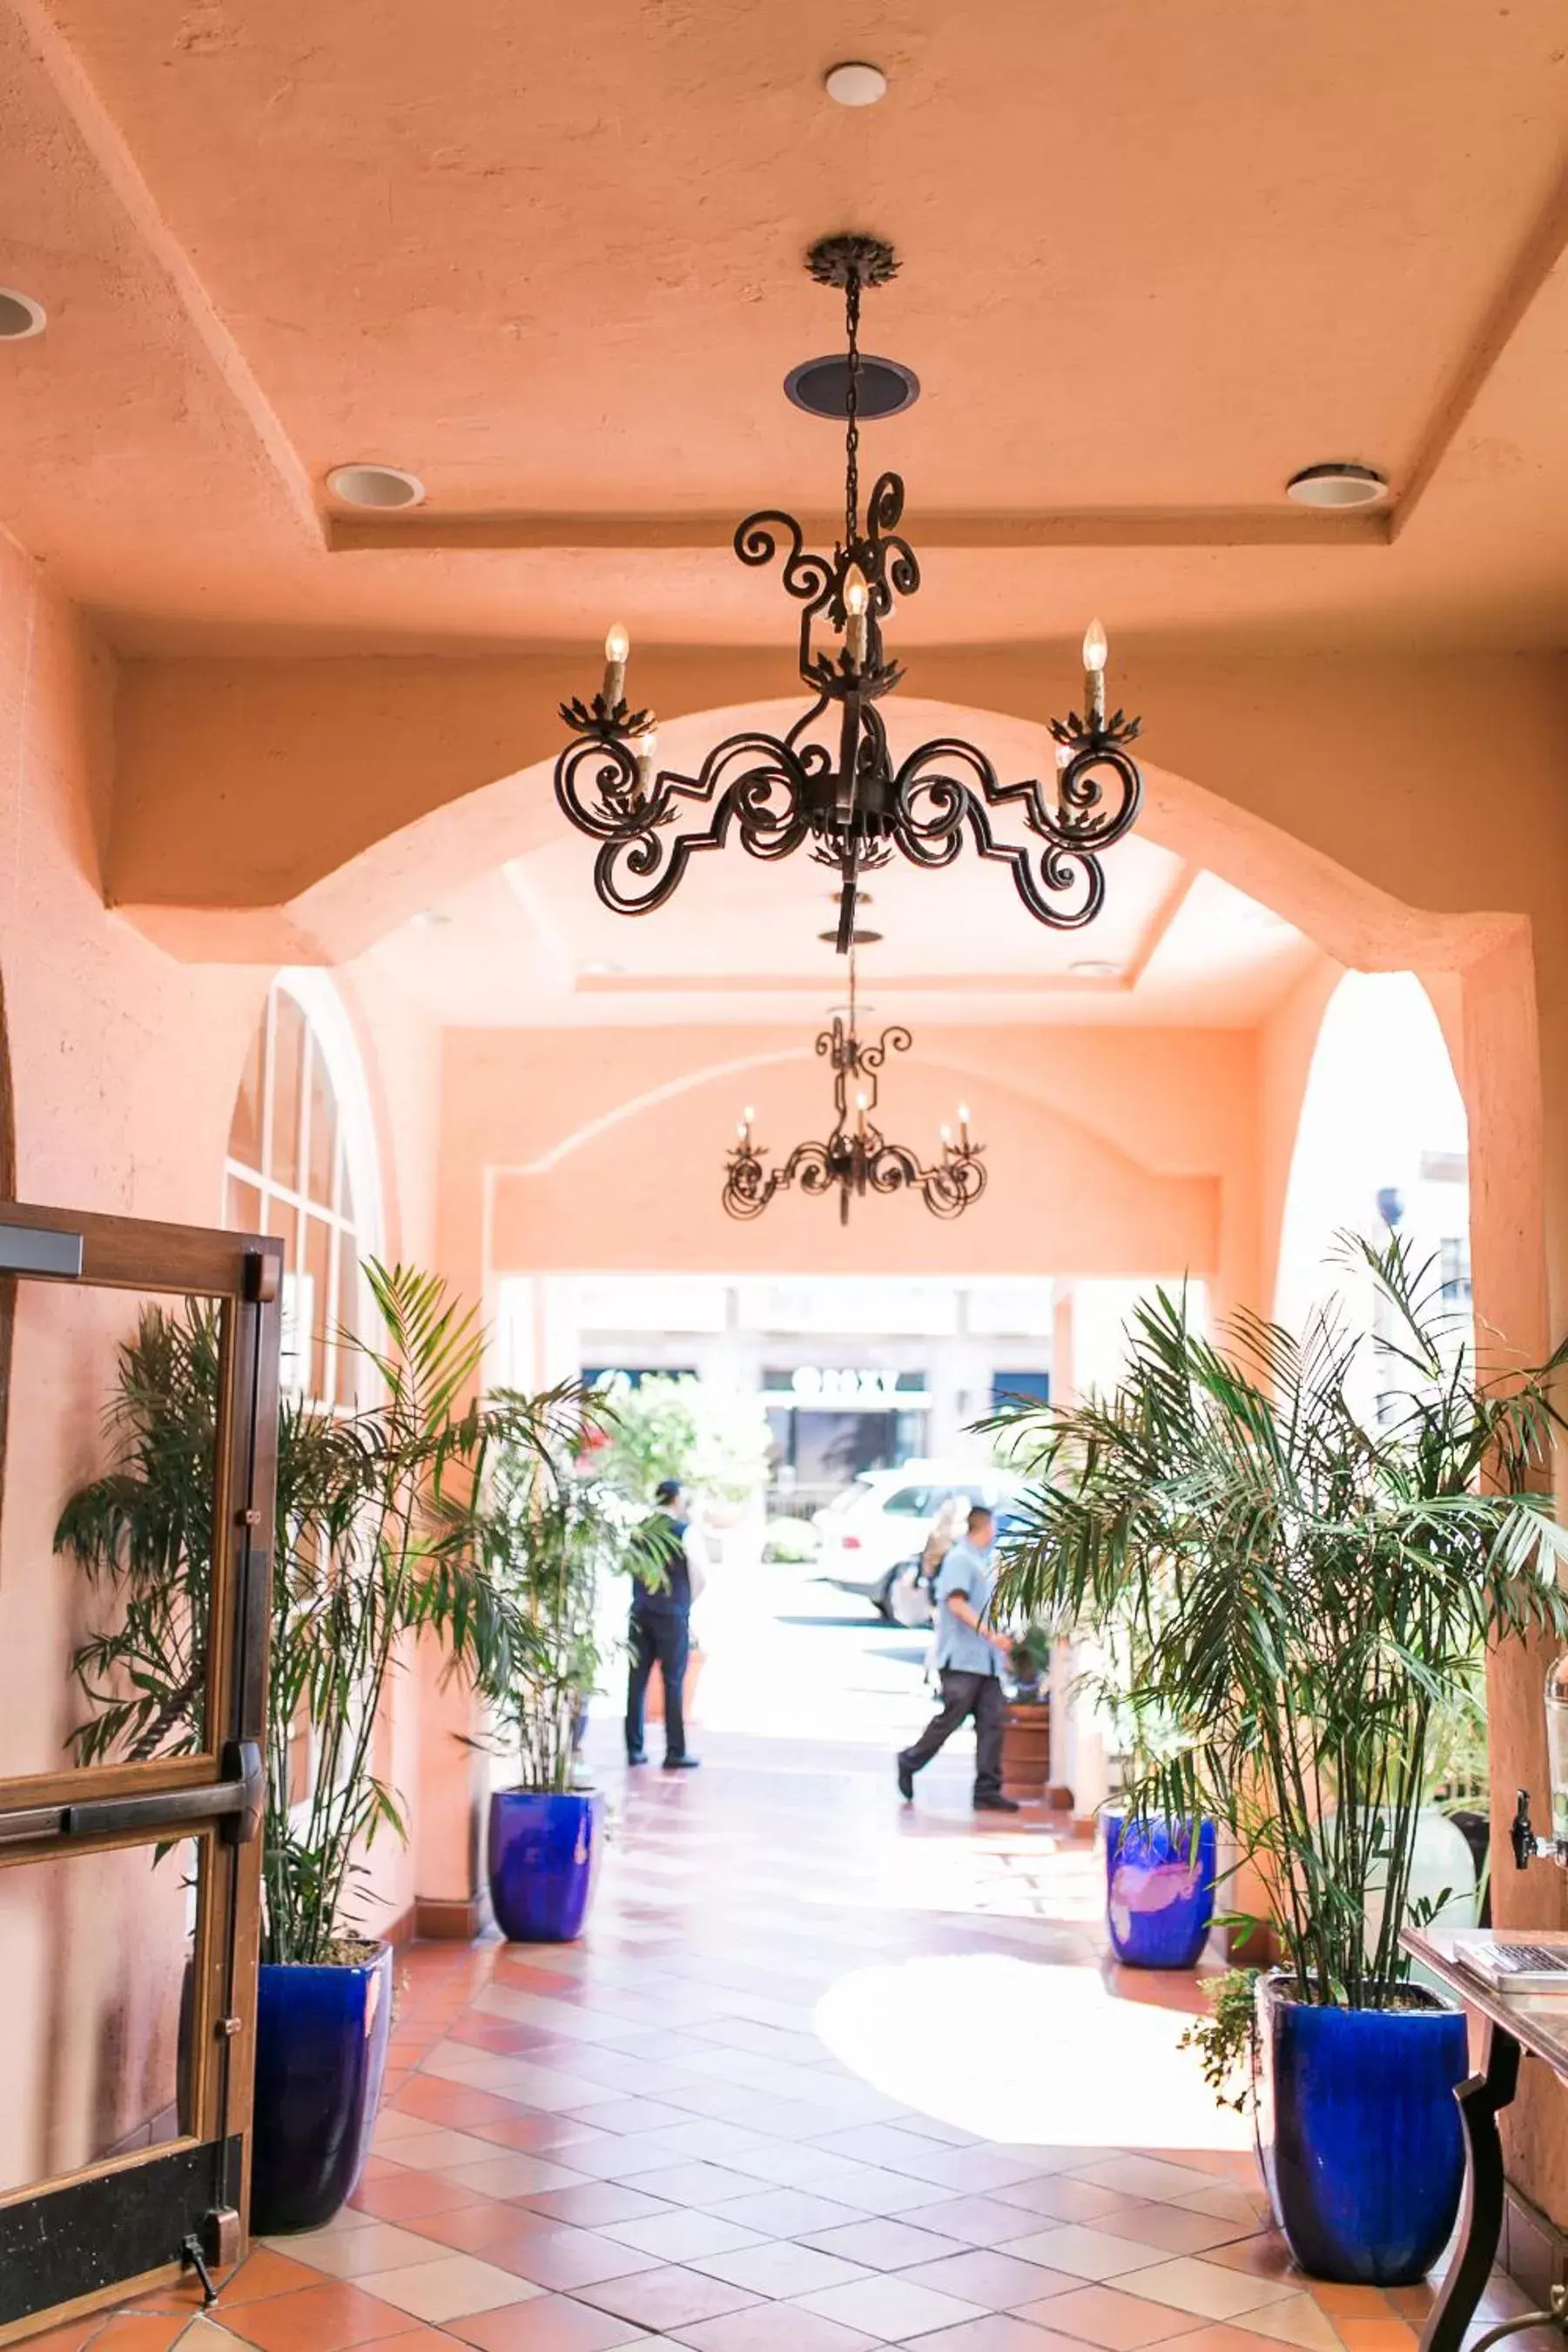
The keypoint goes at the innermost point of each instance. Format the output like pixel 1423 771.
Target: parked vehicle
pixel 870 1531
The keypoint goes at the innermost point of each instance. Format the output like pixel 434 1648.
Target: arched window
pixel 302 1165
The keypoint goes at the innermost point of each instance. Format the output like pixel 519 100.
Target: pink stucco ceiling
pixel 1154 259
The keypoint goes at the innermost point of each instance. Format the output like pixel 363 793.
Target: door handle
pixel 236 1802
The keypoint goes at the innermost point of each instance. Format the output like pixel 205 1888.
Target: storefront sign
pixel 816 1384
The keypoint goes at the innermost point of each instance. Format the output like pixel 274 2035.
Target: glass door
pixel 138 1366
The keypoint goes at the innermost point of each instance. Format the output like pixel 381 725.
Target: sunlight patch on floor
pixel 1025 2052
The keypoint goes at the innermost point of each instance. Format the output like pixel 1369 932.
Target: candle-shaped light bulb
pixel 748 1114
pixel 1095 650
pixel 964 1124
pixel 946 1139
pixel 617 647
pixel 647 747
pixel 857 604
pixel 860 1109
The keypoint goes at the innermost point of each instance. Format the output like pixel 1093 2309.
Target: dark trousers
pixel 962 1696
pixel 667 1638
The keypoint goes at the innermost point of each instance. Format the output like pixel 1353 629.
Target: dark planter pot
pixel 320 2055
pixel 1160 1890
pixel 544 1856
pixel 1358 2133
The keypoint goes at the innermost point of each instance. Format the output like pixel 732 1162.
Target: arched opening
pixel 1381 1146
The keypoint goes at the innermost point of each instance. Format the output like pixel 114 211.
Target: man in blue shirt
pixel 969 1654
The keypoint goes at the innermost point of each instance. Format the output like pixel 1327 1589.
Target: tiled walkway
pixel 823 2075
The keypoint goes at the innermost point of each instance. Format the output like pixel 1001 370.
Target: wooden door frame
pixel 71 2233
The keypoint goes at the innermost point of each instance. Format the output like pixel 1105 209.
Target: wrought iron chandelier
pixel 830 780
pixel 857 1158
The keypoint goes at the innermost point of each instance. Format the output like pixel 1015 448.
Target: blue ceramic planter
pixel 320 2054
pixel 1159 1893
pixel 544 1860
pixel 1358 2133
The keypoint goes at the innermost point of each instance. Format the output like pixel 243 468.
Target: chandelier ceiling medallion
pixel 830 780
pixel 856 1159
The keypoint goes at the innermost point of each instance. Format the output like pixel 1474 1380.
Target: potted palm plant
pixel 1314 1537
pixel 376 1538
pixel 548 1531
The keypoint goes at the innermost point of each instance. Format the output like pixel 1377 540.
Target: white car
pixel 873 1527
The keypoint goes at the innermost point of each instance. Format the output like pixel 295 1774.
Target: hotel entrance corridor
pixel 823 2075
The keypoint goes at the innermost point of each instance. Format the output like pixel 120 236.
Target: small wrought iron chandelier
pixel 830 780
pixel 856 1159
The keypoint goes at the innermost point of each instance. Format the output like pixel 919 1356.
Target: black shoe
pixel 905 1780
pixel 991 1800
pixel 682 1763
pixel 640 1758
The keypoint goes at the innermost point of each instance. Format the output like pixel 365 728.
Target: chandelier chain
pixel 851 410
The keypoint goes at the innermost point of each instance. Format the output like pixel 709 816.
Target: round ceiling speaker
pixel 1337 486
pixel 821 386
pixel 375 486
pixel 20 315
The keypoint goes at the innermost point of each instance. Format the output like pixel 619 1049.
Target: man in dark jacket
pixel 662 1593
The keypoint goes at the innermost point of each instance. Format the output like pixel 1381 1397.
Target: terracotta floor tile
pixel 1172 2227
pixel 265 2273
pixel 996 2281
pixel 360 2253
pixel 595 2203
pixel 451 2287
pixel 1207 2289
pixel 1376 2335
pixel 771 2328
pixel 996 2331
pixel 977 2221
pixel 318 2319
pixel 1266 2254
pixel 882 2245
pixel 1065 2198
pixel 679 2234
pixel 889 2308
pixel 406 2194
pixel 508 2172
pixel 667 2297
pixel 141 2331
pixel 1087 2254
pixel 780 2269
pixel 1219 2337
pixel 537 2134
pixel 1352 2302
pixel 693 2184
pixel 565 2259
pixel 480 2224
pixel 1110 2317
pixel 552 2323
pixel 783 2212
pixel 1299 2321
pixel 1145 2175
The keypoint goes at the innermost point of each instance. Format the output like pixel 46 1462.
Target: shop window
pixel 299 1142
pixel 1019 1388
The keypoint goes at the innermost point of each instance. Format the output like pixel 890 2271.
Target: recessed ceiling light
pixel 1336 485
pixel 1092 968
pixel 375 486
pixel 20 315
pixel 603 971
pixel 855 83
pixel 431 918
